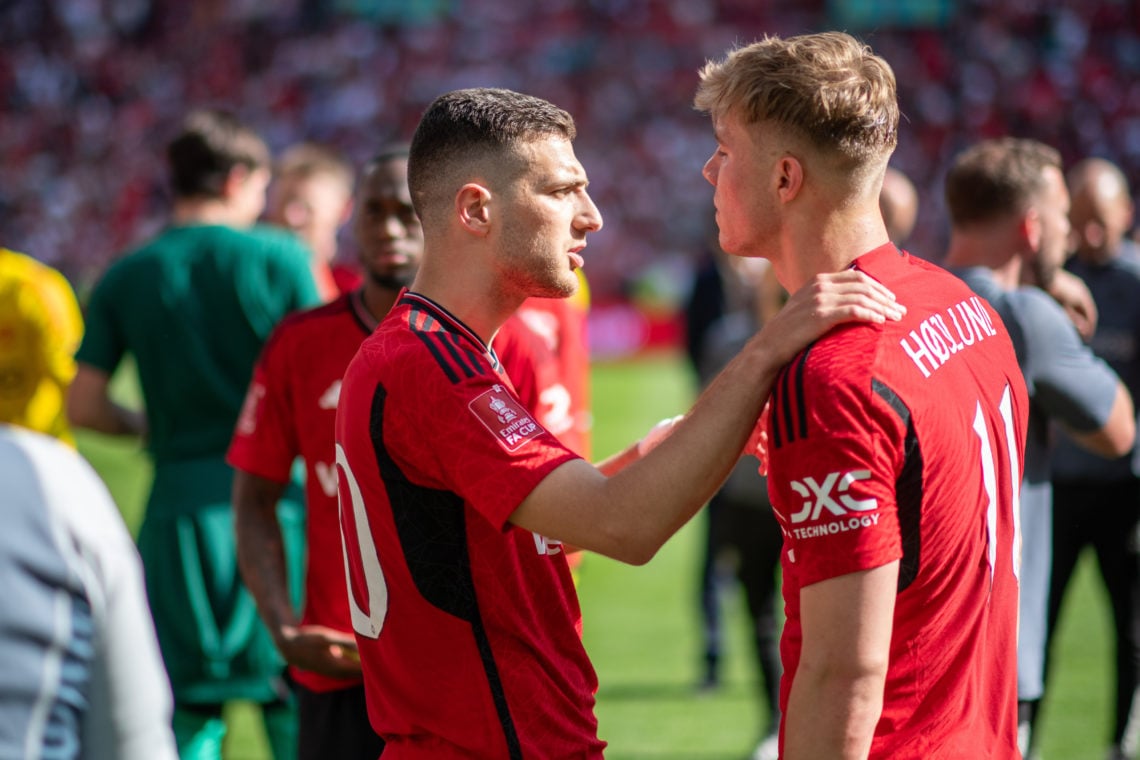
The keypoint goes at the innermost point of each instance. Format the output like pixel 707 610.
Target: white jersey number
pixel 990 480
pixel 376 592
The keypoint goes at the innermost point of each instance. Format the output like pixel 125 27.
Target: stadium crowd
pixel 90 90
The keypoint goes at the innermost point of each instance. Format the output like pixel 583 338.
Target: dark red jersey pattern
pixel 290 411
pixel 468 627
pixel 905 441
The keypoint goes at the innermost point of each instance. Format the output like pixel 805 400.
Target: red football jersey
pixel 558 355
pixel 290 411
pixel 468 627
pixel 905 441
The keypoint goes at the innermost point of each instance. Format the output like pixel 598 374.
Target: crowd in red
pixel 93 88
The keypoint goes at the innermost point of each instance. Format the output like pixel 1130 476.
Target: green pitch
pixel 641 624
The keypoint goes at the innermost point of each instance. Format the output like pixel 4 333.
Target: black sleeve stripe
pixel 801 403
pixel 789 403
pixel 908 489
pixel 777 402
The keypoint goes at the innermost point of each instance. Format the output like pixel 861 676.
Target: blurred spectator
pixel 311 194
pixel 898 201
pixel 1096 501
pixel 40 328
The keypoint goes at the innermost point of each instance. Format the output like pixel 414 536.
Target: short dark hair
pixel 997 178
pixel 210 144
pixel 466 126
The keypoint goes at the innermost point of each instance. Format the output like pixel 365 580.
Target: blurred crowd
pixel 91 89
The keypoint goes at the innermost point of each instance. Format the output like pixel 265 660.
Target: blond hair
pixel 828 89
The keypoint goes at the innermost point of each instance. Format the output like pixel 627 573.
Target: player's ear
pixel 472 208
pixel 789 178
pixel 1029 228
pixel 236 177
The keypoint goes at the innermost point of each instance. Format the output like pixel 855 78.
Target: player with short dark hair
pixel 194 306
pixel 895 449
pixel 1009 232
pixel 455 501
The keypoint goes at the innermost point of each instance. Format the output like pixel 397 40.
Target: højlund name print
pixel 939 337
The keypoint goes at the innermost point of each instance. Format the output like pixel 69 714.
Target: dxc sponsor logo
pixel 818 496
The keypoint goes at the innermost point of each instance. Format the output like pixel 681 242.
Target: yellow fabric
pixel 40 329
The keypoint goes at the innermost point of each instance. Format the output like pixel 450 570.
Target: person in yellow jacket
pixel 40 329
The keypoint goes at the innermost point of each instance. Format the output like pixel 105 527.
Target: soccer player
pixel 194 306
pixel 894 449
pixel 311 195
pixel 290 411
pixel 40 328
pixel 455 501
pixel 82 672
pixel 1009 225
pixel 1096 500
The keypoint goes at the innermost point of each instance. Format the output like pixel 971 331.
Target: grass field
pixel 641 623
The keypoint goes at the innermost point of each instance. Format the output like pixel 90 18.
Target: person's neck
pixel 205 211
pixel 377 299
pixel 827 247
pixel 968 249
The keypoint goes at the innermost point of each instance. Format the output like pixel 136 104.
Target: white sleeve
pixel 130 706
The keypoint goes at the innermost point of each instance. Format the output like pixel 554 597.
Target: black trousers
pixel 1105 516
pixel 334 724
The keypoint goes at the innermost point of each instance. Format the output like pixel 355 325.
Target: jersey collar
pixel 453 323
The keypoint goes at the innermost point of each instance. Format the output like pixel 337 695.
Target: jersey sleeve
pixel 265 439
pixel 103 342
pixel 1065 377
pixel 478 440
pixel 835 454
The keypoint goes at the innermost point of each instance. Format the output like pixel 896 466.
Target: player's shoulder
pixel 1036 312
pixel 316 317
pixel 319 323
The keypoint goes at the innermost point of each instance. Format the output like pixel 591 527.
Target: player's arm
pixel 261 559
pixel 837 693
pixel 89 405
pixel 630 515
pixel 1115 437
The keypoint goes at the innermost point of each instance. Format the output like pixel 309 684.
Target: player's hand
pixel 657 434
pixel 320 650
pixel 824 302
pixel 1074 296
